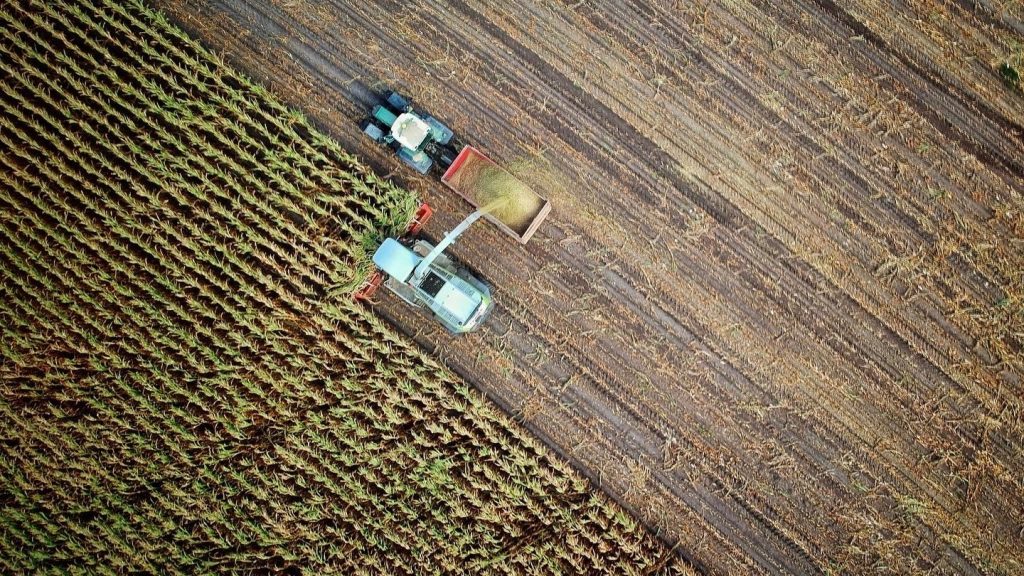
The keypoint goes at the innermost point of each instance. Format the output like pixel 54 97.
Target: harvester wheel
pixel 446 157
pixel 372 130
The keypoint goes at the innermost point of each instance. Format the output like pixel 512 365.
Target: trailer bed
pixel 481 181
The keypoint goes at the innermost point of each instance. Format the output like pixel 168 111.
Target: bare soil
pixel 778 307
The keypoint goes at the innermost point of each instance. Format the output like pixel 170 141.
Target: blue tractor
pixel 420 140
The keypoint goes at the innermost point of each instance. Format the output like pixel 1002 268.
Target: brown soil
pixel 778 310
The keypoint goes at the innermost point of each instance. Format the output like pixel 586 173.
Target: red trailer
pixel 476 178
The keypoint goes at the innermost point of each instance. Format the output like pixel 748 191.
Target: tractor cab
pixel 419 139
pixel 410 131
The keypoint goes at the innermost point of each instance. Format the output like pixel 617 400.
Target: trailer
pixel 480 181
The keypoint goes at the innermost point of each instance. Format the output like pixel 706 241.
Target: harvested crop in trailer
pixel 506 197
pixel 492 189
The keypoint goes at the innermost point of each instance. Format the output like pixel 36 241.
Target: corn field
pixel 185 383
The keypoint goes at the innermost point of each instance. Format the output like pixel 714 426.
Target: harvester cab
pixel 419 139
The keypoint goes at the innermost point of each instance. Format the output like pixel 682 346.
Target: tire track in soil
pixel 586 399
pixel 942 103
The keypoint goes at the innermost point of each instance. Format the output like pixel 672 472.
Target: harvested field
pixel 186 386
pixel 778 307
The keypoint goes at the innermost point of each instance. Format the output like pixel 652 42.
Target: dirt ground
pixel 778 306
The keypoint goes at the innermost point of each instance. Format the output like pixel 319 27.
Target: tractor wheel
pixel 372 130
pixel 396 101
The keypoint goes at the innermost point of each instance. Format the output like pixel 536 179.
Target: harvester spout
pixel 443 245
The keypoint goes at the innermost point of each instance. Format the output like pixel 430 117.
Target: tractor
pixel 420 140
